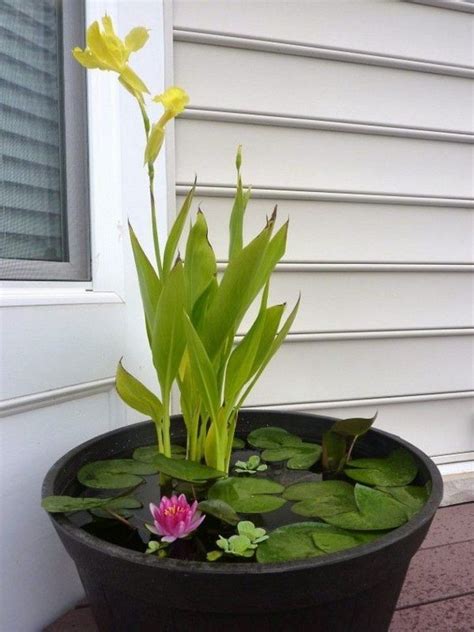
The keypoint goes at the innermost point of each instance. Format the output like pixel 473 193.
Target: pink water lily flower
pixel 175 518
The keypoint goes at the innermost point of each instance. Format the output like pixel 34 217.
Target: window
pixel 43 152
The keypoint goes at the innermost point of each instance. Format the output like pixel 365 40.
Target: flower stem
pixel 156 242
pixel 120 519
pixel 151 179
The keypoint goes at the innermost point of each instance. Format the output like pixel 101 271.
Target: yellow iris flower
pixel 174 101
pixel 106 51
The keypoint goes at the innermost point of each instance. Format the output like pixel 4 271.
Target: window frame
pixel 74 165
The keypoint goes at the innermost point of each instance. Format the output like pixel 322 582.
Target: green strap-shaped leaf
pixel 169 340
pixel 273 253
pixel 176 232
pixel 242 360
pixel 199 312
pixel 272 321
pixel 150 284
pixel 276 344
pixel 235 294
pixel 354 427
pixel 236 222
pixel 200 266
pixel 203 371
pixel 334 451
pixel 136 395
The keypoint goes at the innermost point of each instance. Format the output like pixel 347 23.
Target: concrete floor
pixel 438 594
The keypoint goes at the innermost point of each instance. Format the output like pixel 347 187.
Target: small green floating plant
pixel 191 318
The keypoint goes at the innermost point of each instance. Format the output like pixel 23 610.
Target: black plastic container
pixel 351 591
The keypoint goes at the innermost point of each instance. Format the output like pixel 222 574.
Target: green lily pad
pixel 219 509
pixel 272 437
pixel 147 453
pixel 376 511
pixel 290 477
pixel 412 497
pixel 334 540
pixel 290 542
pixel 317 489
pixel 299 457
pixel 396 470
pixel 185 470
pixel 325 498
pixel 120 505
pixel 114 473
pixel 307 456
pixel 238 444
pixel 68 504
pixel 248 495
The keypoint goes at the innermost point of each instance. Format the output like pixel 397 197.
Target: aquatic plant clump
pixel 278 513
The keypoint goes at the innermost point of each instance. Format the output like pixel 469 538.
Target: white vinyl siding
pixel 357 119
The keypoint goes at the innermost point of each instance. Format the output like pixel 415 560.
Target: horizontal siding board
pixel 424 423
pixel 375 300
pixel 296 158
pixel 390 28
pixel 328 370
pixel 318 88
pixel 365 232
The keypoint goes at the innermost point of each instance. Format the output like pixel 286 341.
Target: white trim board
pixel 28 297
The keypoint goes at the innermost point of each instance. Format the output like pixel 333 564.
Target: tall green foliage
pixel 192 317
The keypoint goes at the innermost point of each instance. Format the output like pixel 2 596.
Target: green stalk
pixel 193 438
pixel 151 180
pixel 230 438
pixel 166 423
pixel 156 242
pixel 159 436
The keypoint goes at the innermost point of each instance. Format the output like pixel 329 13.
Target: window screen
pixel 43 158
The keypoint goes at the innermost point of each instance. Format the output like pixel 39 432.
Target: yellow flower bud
pixel 155 141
